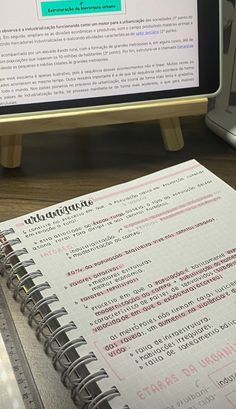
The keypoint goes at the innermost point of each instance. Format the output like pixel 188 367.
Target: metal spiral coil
pixel 51 343
pixel 4 241
pixel 80 392
pixel 28 298
pixel 10 243
pixel 67 375
pixel 12 273
pixel 19 286
pixel 105 396
pixel 59 360
pixel 8 231
pixel 6 260
pixel 45 321
pixel 36 309
pixel 49 330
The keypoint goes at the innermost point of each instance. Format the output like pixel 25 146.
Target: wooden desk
pixel 62 165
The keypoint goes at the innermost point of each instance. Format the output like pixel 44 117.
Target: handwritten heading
pixel 61 211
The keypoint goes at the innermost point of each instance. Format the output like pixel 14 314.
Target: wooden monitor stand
pixel 168 113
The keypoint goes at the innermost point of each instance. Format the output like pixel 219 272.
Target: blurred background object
pixel 221 118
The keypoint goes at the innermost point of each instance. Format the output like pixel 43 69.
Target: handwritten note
pixel 146 270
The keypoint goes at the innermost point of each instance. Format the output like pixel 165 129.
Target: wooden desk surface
pixel 62 165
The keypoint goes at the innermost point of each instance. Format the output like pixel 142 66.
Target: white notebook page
pixel 146 270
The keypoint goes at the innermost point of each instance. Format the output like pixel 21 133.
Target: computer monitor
pixel 71 54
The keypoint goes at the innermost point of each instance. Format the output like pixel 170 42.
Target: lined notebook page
pixel 146 270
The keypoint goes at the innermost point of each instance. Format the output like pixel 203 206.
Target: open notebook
pixel 132 290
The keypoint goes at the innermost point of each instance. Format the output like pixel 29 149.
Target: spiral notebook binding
pixel 12 273
pixel 5 233
pixel 80 392
pixel 36 309
pixel 27 299
pixel 18 286
pixel 51 343
pixel 68 379
pixel 5 265
pixel 104 396
pixel 10 243
pixel 34 305
pixel 59 361
pixel 42 326
pixel 4 242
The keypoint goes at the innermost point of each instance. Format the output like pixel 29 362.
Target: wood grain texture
pixel 10 125
pixel 172 134
pixel 100 116
pixel 11 147
pixel 61 165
